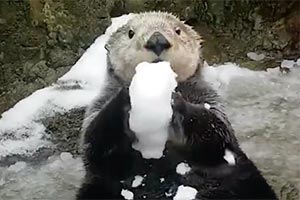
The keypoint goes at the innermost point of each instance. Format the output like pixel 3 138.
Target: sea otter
pixel 200 134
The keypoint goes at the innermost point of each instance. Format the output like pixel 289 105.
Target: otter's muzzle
pixel 157 43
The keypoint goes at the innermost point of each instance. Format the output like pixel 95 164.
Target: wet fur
pixel 198 136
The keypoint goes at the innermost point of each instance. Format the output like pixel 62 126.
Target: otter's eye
pixel 178 31
pixel 130 34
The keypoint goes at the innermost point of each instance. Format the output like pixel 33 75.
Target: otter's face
pixel 152 37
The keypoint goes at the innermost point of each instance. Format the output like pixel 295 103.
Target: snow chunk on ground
pixel 18 166
pixel 185 193
pixel 183 168
pixel 127 194
pixel 288 64
pixel 255 56
pixel 151 111
pixel 137 181
pixel 229 157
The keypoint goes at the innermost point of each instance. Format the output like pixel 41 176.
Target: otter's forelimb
pixel 106 148
pixel 203 123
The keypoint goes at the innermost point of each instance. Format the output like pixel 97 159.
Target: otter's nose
pixel 157 43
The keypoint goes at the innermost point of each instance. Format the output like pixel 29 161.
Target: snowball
pixel 183 168
pixel 18 166
pixel 150 95
pixel 127 194
pixel 229 157
pixel 185 193
pixel 255 56
pixel 137 181
pixel 162 180
pixel 207 106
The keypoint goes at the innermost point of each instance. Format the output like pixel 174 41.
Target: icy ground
pixel 264 108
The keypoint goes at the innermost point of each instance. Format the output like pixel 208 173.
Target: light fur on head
pixel 124 54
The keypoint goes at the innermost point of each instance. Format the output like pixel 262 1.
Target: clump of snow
pixel 183 168
pixel 229 157
pixel 185 193
pixel 255 56
pixel 288 64
pixel 207 106
pixel 137 181
pixel 127 194
pixel 150 95
pixel 18 166
pixel 162 180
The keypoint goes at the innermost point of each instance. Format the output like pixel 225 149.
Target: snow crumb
pixel 229 157
pixel 183 168
pixel 255 56
pixel 185 193
pixel 207 106
pixel 151 111
pixel 162 180
pixel 137 181
pixel 127 194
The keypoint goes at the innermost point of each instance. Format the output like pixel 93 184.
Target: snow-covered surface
pixel 264 108
pixel 151 111
pixel 229 157
pixel 137 181
pixel 127 194
pixel 183 168
pixel 185 193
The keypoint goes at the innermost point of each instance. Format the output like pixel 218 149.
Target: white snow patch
pixel 255 56
pixel 229 157
pixel 127 194
pixel 18 166
pixel 207 106
pixel 137 181
pixel 185 193
pixel 183 168
pixel 220 76
pixel 162 180
pixel 288 64
pixel 150 95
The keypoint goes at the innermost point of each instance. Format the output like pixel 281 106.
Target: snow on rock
pixel 288 64
pixel 18 166
pixel 137 181
pixel 229 157
pixel 183 168
pixel 127 194
pixel 185 193
pixel 21 131
pixel 221 75
pixel 255 56
pixel 150 95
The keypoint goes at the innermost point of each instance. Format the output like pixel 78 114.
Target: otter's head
pixel 152 37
